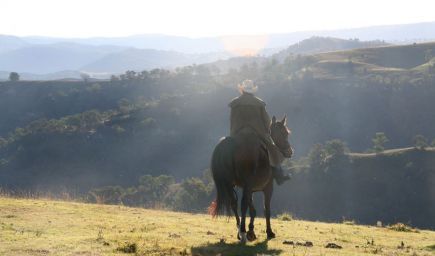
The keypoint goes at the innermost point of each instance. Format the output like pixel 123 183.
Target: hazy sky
pixel 195 18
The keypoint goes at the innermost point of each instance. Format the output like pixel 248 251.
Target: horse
pixel 243 161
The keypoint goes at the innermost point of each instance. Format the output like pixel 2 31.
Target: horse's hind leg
pixel 252 213
pixel 247 195
pixel 267 198
pixel 236 213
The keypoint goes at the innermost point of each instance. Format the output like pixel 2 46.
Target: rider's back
pixel 249 111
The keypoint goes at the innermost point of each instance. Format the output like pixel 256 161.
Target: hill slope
pixel 41 227
pixel 317 44
pixel 401 63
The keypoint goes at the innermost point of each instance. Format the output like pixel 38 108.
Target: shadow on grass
pixel 228 249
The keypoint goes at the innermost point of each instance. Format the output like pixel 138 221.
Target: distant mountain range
pixel 405 33
pixel 50 58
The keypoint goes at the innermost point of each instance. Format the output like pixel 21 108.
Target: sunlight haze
pixel 84 18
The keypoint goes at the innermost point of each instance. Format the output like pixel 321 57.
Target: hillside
pixel 82 135
pixel 43 227
pixel 318 44
pixel 397 62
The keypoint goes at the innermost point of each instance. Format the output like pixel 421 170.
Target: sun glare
pixel 244 45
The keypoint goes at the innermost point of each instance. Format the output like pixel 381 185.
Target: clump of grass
pixel 348 222
pixel 128 248
pixel 285 216
pixel 431 247
pixel 401 227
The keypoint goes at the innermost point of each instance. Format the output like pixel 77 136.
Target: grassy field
pixel 44 227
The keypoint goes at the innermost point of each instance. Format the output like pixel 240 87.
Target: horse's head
pixel 280 133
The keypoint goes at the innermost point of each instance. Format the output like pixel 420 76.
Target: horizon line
pixel 219 36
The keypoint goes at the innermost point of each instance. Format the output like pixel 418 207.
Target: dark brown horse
pixel 242 160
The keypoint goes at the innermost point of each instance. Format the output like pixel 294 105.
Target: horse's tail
pixel 222 168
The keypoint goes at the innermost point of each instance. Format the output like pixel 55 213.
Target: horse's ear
pixel 273 119
pixel 284 120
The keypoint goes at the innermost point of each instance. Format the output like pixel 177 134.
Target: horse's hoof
pixel 243 238
pixel 270 235
pixel 251 235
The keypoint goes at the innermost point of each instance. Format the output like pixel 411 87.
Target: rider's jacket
pixel 250 111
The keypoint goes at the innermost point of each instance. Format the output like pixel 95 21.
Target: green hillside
pixel 409 60
pixel 43 227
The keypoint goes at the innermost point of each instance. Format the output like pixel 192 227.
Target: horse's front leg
pixel 247 195
pixel 268 191
pixel 252 213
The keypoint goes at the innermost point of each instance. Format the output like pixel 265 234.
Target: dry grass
pixel 44 227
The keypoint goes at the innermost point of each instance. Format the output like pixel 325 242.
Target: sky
pixel 201 18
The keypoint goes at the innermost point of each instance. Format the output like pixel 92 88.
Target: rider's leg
pixel 276 158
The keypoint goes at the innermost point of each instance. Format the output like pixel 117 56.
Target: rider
pixel 248 110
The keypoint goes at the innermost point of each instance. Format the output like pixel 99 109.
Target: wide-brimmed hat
pixel 247 86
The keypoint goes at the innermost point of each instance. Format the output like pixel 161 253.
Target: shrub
pixel 285 216
pixel 349 222
pixel 128 248
pixel 400 227
pixel 107 195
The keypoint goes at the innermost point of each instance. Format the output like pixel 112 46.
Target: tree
pixel 85 77
pixel 420 142
pixel 114 78
pixel 191 195
pixel 14 77
pixel 155 188
pixel 3 142
pixel 316 156
pixel 335 147
pixel 379 142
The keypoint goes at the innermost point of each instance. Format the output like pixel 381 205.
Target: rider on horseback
pixel 250 111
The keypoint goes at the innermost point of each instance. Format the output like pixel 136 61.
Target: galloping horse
pixel 242 160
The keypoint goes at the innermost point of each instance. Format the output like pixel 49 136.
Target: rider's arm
pixel 266 118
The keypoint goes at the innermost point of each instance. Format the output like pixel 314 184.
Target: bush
pixel 128 248
pixel 107 195
pixel 349 222
pixel 400 227
pixel 285 216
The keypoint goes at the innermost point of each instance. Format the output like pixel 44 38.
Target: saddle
pixel 248 130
